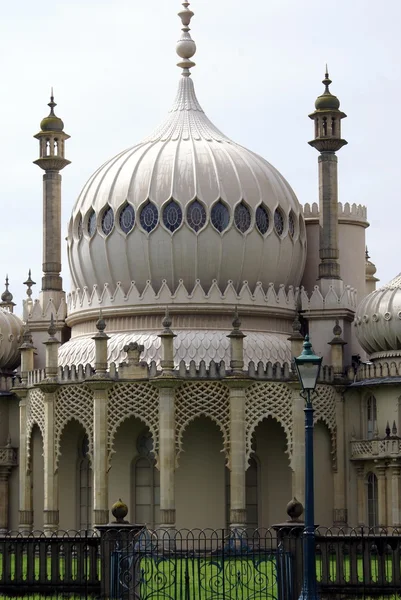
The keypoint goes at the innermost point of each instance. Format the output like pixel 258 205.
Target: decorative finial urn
pixel 119 510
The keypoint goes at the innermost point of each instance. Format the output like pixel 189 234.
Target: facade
pixel 164 376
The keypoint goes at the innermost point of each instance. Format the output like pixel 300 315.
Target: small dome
pixel 52 122
pixel 327 101
pixel 10 340
pixel 378 320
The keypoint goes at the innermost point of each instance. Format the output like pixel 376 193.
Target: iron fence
pixel 136 563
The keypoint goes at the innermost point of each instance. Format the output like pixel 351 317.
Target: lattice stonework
pixel 73 402
pixel 268 400
pixel 324 404
pixel 140 400
pixel 35 415
pixel 209 399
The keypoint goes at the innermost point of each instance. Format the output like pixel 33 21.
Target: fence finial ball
pixel 119 510
pixel 294 510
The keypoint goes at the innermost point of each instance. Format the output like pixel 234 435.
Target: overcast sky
pixel 259 70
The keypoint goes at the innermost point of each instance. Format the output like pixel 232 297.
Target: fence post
pixel 116 537
pixel 289 572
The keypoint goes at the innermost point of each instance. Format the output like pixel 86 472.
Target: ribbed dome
pixel 378 320
pixel 186 203
pixel 10 340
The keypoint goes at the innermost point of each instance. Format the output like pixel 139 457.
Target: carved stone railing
pixel 371 449
pixel 8 457
pixel 212 370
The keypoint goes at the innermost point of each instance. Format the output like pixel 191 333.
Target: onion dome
pixel 52 122
pixel 10 340
pixel 327 101
pixel 378 321
pixel 7 297
pixel 186 205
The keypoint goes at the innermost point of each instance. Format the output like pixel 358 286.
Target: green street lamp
pixel 308 369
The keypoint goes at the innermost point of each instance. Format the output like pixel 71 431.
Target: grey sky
pixel 259 70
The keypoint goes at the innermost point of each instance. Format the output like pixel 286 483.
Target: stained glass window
pixel 262 219
pixel 149 217
pixel 220 216
pixel 278 221
pixel 242 217
pixel 107 221
pixel 172 215
pixel 196 215
pixel 127 218
pixel 92 223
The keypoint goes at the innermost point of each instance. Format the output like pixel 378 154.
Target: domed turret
pixel 52 122
pixel 187 204
pixel 378 321
pixel 327 101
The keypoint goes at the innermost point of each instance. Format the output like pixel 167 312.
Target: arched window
pixel 84 487
pixel 371 417
pixel 146 483
pixel 372 500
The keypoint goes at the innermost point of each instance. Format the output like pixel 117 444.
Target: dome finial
pixel 186 47
pixel 52 122
pixel 327 101
pixel 7 296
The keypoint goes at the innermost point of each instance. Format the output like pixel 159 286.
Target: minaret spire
pixel 52 160
pixel 185 47
pixel 328 141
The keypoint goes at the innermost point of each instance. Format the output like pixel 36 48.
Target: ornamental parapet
pixel 376 449
pixel 389 370
pixel 347 213
pixel 213 370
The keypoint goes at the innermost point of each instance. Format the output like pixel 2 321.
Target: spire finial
pixel 186 47
pixel 52 104
pixel 29 283
pixel 7 296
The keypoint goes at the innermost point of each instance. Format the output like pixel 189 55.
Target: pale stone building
pixel 164 375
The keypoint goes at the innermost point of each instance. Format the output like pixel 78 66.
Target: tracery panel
pixel 73 402
pixel 202 399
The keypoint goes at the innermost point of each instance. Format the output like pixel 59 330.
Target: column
pixel 24 471
pixel 167 453
pixel 51 509
pixel 361 494
pixel 238 516
pixel 4 498
pixel 298 446
pixel 100 458
pixel 396 493
pixel 51 231
pixel 340 517
pixel 328 199
pixel 382 494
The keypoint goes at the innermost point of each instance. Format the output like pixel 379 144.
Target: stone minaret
pixel 328 141
pixel 52 160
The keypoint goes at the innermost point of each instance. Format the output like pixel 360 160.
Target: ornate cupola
pixel 328 141
pixel 52 160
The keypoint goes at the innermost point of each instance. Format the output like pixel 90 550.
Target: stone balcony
pixel 387 448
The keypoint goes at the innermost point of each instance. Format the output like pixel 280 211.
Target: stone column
pixel 340 517
pixel 298 445
pixel 238 465
pixel 167 454
pixel 4 498
pixel 382 494
pixel 361 494
pixel 24 471
pixel 51 508
pixel 396 493
pixel 100 458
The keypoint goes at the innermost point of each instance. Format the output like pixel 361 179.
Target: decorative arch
pixel 324 404
pixel 208 399
pixel 73 402
pixel 139 400
pixel 35 415
pixel 268 400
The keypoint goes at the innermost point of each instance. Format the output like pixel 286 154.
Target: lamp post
pixel 308 369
